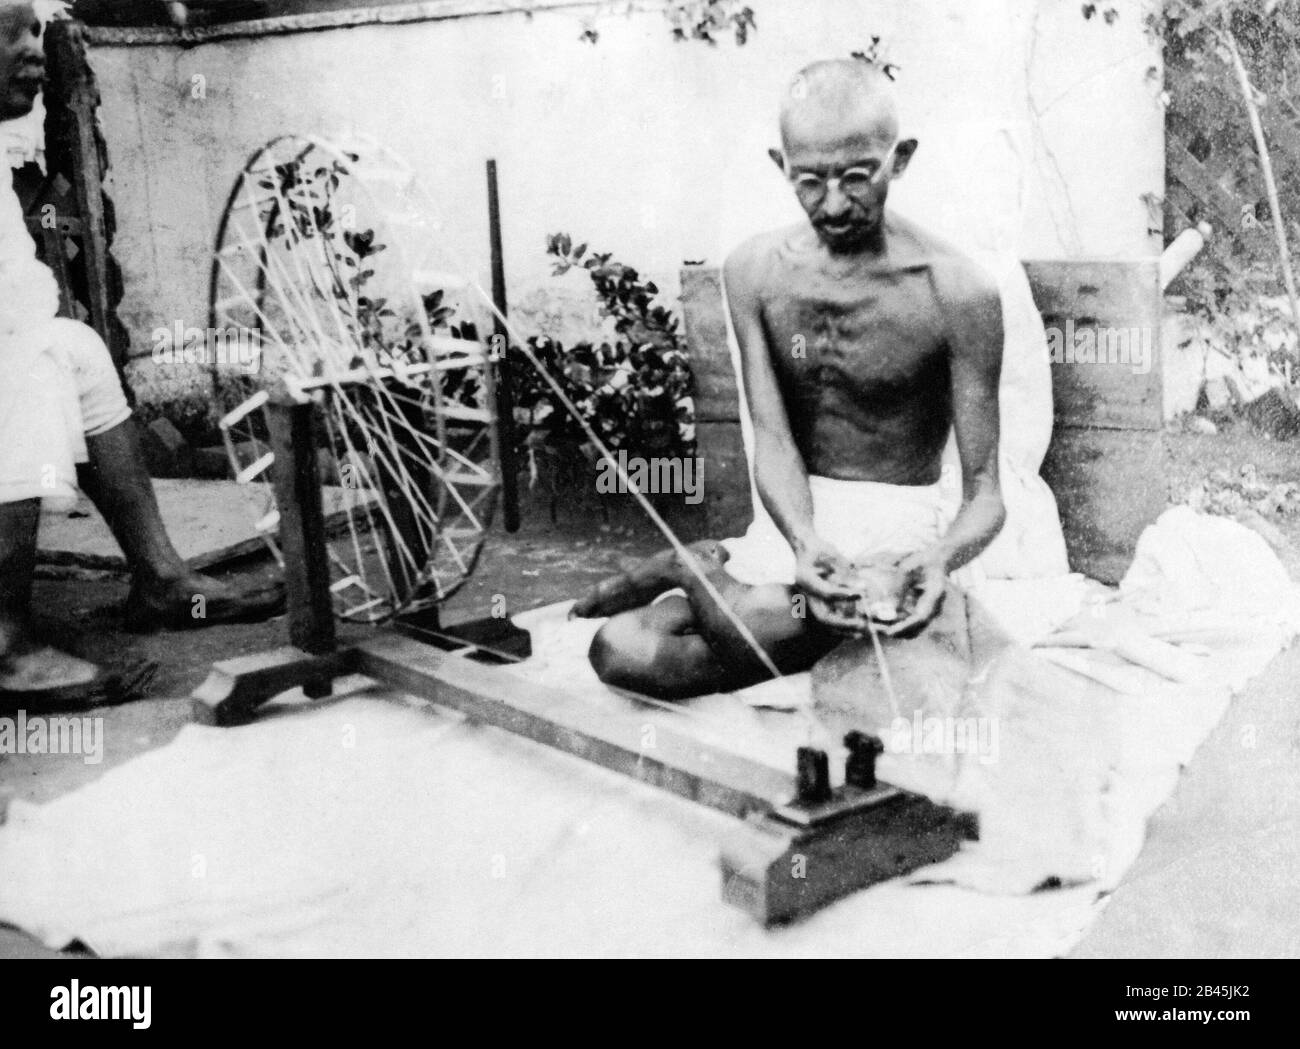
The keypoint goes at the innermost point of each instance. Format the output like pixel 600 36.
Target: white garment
pixel 29 295
pixel 59 381
pixel 1031 544
pixel 864 520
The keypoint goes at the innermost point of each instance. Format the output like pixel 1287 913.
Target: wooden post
pixel 235 689
pixel 505 398
pixel 295 475
pixel 729 506
pixel 75 148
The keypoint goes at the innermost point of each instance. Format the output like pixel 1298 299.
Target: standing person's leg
pixel 34 674
pixel 36 463
pixel 163 588
pixel 116 481
pixel 18 525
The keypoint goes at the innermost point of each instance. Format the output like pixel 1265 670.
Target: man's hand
pixel 824 575
pixel 925 576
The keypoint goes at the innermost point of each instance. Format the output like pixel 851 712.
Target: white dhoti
pixel 59 387
pixel 864 520
pixel 57 380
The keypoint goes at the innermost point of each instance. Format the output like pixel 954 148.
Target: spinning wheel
pixel 369 374
pixel 329 281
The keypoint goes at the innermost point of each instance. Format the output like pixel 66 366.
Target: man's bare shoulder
pixel 752 258
pixel 958 279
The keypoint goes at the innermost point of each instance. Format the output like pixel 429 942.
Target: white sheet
pixel 378 826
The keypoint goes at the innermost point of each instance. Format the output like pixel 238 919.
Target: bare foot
pixel 195 600
pixel 35 667
pixel 708 555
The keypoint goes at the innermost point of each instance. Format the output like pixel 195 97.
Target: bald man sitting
pixel 64 421
pixel 863 340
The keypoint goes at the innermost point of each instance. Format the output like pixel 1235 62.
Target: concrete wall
pixel 1040 132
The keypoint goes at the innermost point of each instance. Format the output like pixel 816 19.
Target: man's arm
pixel 779 469
pixel 973 312
pixel 975 341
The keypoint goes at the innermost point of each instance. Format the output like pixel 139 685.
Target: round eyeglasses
pixel 855 182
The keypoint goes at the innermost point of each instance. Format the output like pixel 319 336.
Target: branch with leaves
pixel 1203 40
pixel 704 20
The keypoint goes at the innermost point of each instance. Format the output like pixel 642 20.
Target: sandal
pixel 123 682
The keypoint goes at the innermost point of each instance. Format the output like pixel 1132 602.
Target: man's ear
pixel 903 155
pixel 778 158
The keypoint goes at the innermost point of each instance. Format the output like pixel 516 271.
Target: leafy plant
pixel 1225 62
pixel 635 391
pixel 875 56
pixel 696 20
pixel 705 19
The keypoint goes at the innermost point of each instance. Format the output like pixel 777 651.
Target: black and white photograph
pixel 650 479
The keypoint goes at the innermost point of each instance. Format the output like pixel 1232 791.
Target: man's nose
pixel 837 202
pixel 32 51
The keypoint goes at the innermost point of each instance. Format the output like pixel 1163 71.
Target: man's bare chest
pixel 874 339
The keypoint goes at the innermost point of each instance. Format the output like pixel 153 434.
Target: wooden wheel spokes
pixel 329 258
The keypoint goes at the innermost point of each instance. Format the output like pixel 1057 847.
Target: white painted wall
pixel 1040 131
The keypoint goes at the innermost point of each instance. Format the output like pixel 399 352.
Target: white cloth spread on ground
pixel 59 381
pixel 389 828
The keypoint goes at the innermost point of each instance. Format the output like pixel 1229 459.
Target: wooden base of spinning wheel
pixel 798 843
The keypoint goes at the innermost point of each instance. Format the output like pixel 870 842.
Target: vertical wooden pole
pixel 728 504
pixel 74 147
pixel 1266 166
pixel 295 475
pixel 505 393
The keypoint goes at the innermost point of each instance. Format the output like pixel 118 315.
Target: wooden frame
pixel 798 843
pixel 77 156
pixel 390 12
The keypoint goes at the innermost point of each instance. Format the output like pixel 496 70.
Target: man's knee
pixel 617 652
pixel 644 651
